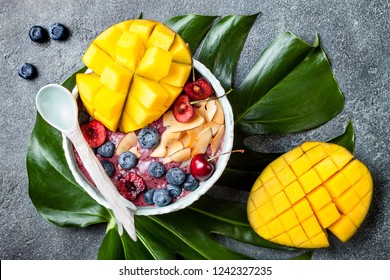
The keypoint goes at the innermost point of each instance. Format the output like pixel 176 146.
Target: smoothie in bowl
pixel 157 120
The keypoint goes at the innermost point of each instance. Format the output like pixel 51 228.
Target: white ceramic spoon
pixel 58 107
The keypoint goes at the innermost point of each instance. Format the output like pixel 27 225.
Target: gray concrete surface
pixel 354 34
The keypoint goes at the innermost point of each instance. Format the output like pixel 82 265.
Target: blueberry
pixel 108 167
pixel 106 150
pixel 174 190
pixel 148 196
pixel 161 197
pixel 38 34
pixel 175 176
pixel 58 31
pixel 27 71
pixel 191 183
pixel 148 137
pixel 156 169
pixel 127 160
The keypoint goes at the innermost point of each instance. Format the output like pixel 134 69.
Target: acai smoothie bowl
pixel 157 120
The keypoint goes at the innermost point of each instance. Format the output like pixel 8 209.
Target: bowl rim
pixel 193 195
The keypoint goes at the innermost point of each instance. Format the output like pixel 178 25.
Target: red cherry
pixel 199 89
pixel 200 167
pixel 94 133
pixel 183 111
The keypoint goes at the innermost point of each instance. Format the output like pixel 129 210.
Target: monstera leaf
pixel 290 88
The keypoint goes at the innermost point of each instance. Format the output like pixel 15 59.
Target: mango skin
pixel 134 60
pixel 313 188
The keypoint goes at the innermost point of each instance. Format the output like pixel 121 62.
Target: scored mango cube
pixel 288 219
pixel 347 201
pixel 180 51
pixel 316 154
pixel 105 40
pixel 286 176
pixel 311 226
pixel 353 171
pixel 363 186
pixel 134 107
pixel 327 215
pixel 325 168
pixel 161 37
pixel 326 192
pixel 155 64
pixel 173 93
pixel 129 50
pixel 309 180
pixel 301 165
pixel 358 213
pixel 280 202
pixel 96 59
pixel 302 209
pixel 337 185
pixel 341 157
pixel 111 100
pixel 344 228
pixel 143 28
pixel 293 155
pixel 266 175
pixel 259 197
pixel 88 85
pixel 297 235
pixel 116 78
pixel 149 94
pixel 278 164
pixel 273 186
pixel 177 75
pixel 318 198
pixel 294 192
pixel 306 146
pixel 320 240
pixel 283 239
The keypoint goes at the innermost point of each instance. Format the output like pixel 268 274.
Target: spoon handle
pixel 104 184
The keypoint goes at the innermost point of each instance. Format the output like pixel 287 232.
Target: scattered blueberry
pixel 156 169
pixel 174 190
pixel 27 71
pixel 38 34
pixel 148 196
pixel 175 176
pixel 148 137
pixel 58 31
pixel 106 150
pixel 108 167
pixel 161 197
pixel 127 160
pixel 190 183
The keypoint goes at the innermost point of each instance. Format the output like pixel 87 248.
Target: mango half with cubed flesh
pixel 139 67
pixel 313 188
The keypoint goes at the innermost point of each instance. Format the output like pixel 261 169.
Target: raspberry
pixel 130 185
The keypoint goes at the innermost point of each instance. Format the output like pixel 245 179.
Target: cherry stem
pixel 234 151
pixel 212 98
pixel 193 74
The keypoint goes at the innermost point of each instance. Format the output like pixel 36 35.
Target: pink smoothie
pixel 142 164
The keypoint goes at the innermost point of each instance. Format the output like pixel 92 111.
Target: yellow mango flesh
pixel 313 188
pixel 140 61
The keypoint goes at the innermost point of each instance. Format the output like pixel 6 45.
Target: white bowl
pixel 203 186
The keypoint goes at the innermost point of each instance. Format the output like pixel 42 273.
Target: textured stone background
pixel 354 34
